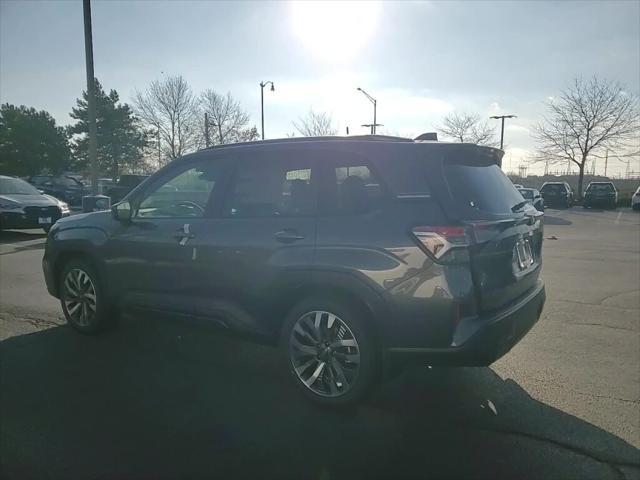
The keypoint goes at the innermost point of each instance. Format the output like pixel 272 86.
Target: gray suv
pixel 350 254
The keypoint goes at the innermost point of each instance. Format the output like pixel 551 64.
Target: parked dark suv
pixel 350 253
pixel 62 187
pixel 557 194
pixel 602 194
pixel 124 185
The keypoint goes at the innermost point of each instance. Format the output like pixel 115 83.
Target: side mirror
pixel 122 211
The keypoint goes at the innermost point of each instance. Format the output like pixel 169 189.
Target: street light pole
pixel 262 85
pixel 91 96
pixel 206 130
pixel 502 117
pixel 375 106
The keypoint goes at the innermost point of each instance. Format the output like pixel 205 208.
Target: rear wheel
pixel 329 352
pixel 82 299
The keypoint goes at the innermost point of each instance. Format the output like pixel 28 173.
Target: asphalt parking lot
pixel 158 398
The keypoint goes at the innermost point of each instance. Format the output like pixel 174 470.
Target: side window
pixel 405 177
pixel 185 194
pixel 270 188
pixel 357 190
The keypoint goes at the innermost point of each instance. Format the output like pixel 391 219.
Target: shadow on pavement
pixel 10 236
pixel 164 399
pixel 551 220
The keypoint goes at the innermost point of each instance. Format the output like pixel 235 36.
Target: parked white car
pixel 635 200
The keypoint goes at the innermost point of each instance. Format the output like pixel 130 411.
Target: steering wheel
pixel 190 204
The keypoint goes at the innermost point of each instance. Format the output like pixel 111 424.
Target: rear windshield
pixel 557 187
pixel 481 186
pixel 600 187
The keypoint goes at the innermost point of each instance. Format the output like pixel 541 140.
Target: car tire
pixel 82 298
pixel 329 351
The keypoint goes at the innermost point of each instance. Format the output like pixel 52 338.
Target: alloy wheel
pixel 79 297
pixel 324 353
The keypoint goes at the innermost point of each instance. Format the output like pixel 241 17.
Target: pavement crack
pixel 591 304
pixel 617 295
pixel 601 325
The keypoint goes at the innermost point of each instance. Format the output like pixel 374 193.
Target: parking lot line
pixel 618 217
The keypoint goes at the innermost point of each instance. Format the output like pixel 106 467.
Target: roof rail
pixel 368 138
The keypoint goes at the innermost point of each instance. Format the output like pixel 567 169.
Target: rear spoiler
pixel 479 153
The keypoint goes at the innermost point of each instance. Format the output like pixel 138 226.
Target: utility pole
pixel 502 117
pixel 91 96
pixel 606 161
pixel 262 85
pixel 206 129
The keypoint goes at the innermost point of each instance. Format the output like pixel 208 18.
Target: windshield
pixel 15 186
pixel 481 186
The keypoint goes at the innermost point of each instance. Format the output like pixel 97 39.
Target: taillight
pixel 444 244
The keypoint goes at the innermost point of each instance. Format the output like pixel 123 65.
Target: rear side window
pixel 406 177
pixel 480 186
pixel 356 189
pixel 271 188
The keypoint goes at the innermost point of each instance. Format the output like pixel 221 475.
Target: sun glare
pixel 335 31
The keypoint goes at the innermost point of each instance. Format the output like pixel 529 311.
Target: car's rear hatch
pixel 505 230
pixel 554 191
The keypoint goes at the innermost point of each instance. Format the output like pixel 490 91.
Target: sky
pixel 420 60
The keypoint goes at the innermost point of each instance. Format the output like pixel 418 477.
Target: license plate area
pixel 44 220
pixel 523 258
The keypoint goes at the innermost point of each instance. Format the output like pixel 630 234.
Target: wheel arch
pixel 65 256
pixel 343 287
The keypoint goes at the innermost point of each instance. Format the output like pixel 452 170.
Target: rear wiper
pixel 519 206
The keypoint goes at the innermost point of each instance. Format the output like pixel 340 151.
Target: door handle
pixel 288 236
pixel 184 234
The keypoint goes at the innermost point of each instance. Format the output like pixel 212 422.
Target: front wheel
pixel 329 352
pixel 82 298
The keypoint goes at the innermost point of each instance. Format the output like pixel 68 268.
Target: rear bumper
pixel 603 201
pixel 492 337
pixel 556 201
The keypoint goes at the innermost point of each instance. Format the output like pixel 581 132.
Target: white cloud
pixel 516 128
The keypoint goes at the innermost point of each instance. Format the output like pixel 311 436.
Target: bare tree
pixel 169 107
pixel 586 120
pixel 468 128
pixel 315 124
pixel 228 122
